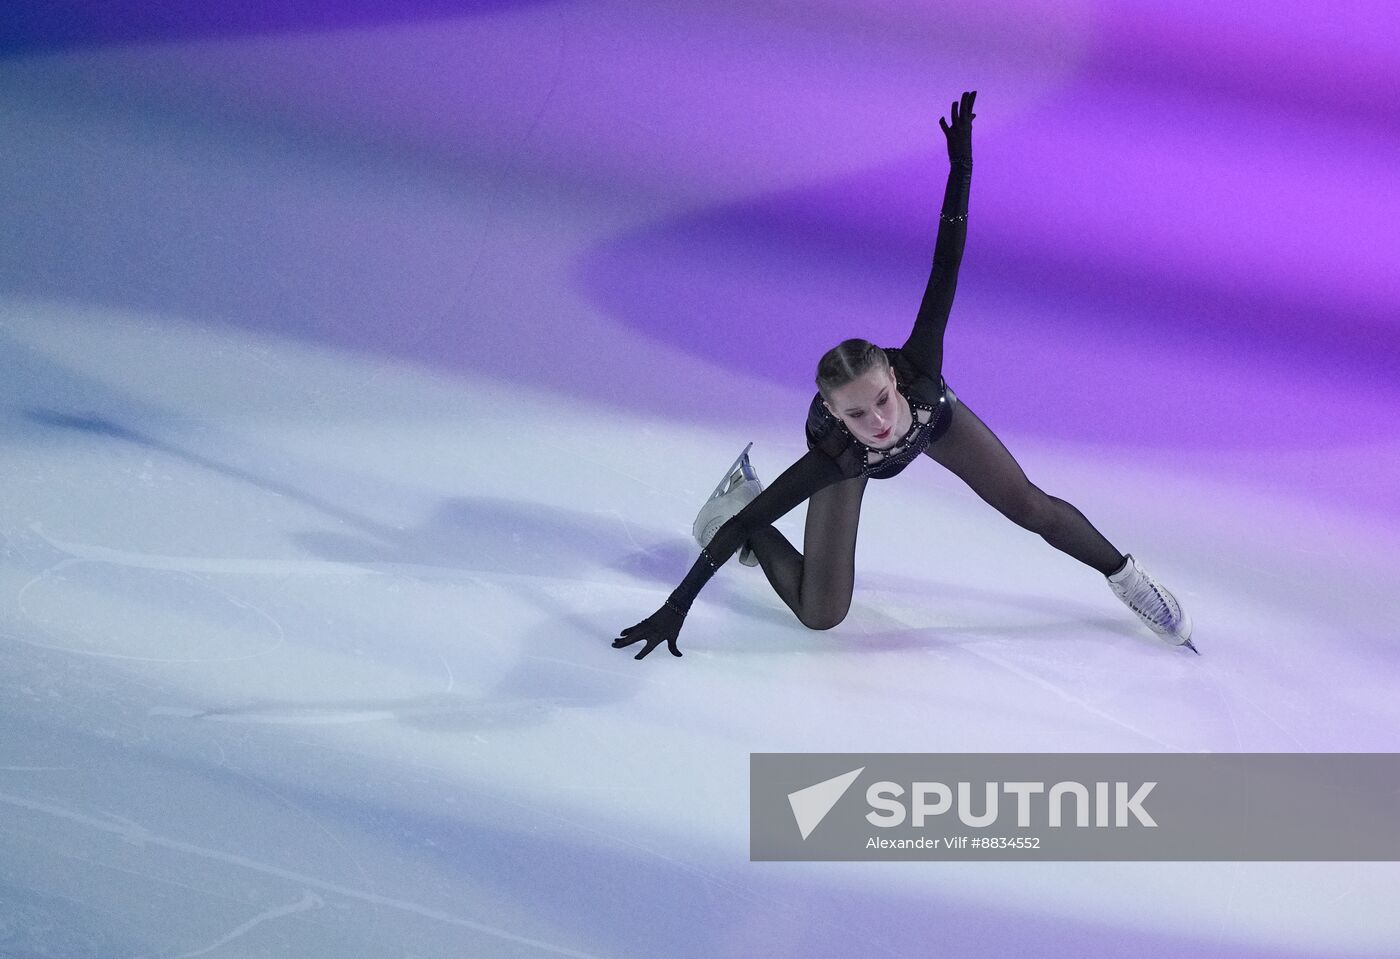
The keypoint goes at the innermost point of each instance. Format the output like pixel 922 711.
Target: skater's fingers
pixel 943 124
pixel 636 626
pixel 651 644
pixel 623 641
pixel 671 645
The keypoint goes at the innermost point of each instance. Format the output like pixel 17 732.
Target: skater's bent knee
pixel 825 619
pixel 1028 507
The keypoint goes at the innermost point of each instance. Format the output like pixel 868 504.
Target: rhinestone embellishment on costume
pixel 914 442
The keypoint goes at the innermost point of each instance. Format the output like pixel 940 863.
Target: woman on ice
pixel 875 411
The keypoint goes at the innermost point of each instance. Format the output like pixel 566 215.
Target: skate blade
pixel 746 468
pixel 739 467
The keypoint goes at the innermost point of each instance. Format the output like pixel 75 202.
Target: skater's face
pixel 872 409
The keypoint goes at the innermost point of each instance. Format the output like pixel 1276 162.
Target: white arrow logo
pixel 810 805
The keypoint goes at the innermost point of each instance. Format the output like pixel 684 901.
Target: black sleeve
pixel 814 471
pixel 925 345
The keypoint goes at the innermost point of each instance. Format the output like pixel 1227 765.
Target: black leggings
pixel 818 586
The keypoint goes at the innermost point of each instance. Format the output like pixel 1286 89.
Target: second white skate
pixel 739 487
pixel 1153 603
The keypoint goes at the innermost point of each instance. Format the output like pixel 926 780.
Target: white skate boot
pixel 1153 603
pixel 738 489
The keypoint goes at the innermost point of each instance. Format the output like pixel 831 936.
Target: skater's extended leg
pixel 817 586
pixel 974 454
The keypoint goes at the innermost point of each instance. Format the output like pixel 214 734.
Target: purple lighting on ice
pixel 363 365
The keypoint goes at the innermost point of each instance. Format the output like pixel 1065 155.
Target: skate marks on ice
pixel 94 607
pixel 482 533
pixel 1053 644
pixel 534 690
pixel 131 832
pixel 555 667
pixel 35 769
pixel 441 712
pixel 309 900
pixel 97 425
pixel 464 535
pixel 94 601
pixel 707 881
pixel 33 923
pixel 538 555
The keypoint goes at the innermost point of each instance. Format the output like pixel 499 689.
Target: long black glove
pixel 959 133
pixel 814 471
pixel 925 344
pixel 662 626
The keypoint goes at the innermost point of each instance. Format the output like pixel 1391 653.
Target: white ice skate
pixel 738 489
pixel 1154 603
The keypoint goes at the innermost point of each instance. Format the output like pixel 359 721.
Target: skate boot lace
pixel 1153 604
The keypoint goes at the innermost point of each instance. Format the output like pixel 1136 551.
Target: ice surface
pixel 361 380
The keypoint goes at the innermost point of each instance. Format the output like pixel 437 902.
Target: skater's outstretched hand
pixel 959 132
pixel 662 626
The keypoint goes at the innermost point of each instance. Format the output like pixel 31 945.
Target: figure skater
pixel 875 411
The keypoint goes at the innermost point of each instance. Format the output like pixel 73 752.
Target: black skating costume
pixel 833 453
pixel 818 586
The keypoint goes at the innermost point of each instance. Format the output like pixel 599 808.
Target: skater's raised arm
pixel 814 471
pixel 925 343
